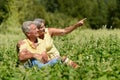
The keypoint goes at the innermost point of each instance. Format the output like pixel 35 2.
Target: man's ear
pixel 28 34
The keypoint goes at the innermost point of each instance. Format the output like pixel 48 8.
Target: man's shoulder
pixel 21 42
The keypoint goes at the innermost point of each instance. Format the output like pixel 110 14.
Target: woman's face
pixel 41 29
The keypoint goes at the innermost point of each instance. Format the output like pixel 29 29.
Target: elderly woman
pixel 46 34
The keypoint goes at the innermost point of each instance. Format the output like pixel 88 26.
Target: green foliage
pixel 98 12
pixel 61 12
pixel 31 10
pixel 59 20
pixel 3 10
pixel 96 51
pixel 114 16
pixel 19 11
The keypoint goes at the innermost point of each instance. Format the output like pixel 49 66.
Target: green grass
pixel 96 51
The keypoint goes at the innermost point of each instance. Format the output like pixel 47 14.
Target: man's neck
pixel 34 40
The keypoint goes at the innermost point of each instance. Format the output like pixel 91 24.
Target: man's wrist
pixel 32 56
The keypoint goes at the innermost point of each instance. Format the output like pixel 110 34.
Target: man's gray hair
pixel 26 26
pixel 38 22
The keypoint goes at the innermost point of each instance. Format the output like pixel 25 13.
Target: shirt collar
pixel 33 45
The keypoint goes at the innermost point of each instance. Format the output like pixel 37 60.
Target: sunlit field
pixel 96 51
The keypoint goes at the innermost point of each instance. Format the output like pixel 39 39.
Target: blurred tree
pixel 12 18
pixel 50 5
pixel 3 10
pixel 114 14
pixel 19 11
pixel 61 12
pixel 31 10
pixel 99 14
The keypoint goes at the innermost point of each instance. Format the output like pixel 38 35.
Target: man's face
pixel 41 29
pixel 33 31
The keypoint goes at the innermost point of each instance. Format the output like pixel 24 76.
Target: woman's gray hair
pixel 26 26
pixel 38 22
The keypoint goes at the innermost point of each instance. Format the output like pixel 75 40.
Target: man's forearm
pixel 25 56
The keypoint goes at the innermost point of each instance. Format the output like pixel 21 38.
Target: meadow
pixel 96 51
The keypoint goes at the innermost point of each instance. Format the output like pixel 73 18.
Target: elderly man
pixel 46 34
pixel 31 51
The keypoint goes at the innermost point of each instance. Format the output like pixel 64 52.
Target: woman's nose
pixel 37 29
